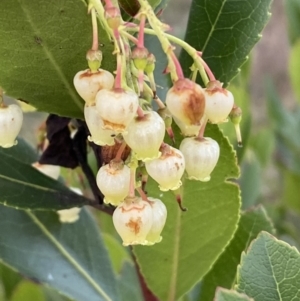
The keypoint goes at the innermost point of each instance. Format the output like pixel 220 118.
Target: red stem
pixel 132 183
pixel 177 66
pixel 141 32
pixel 108 4
pixel 140 112
pixel 202 129
pixel 120 151
pixel 142 193
pixel 95 43
pixel 208 71
pixel 118 80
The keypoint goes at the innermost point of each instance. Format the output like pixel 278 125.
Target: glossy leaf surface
pixel 45 46
pixel 182 258
pixel 40 247
pixel 223 272
pixel 225 31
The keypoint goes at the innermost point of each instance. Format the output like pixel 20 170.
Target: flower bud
pixel 168 169
pixel 95 124
pixel 88 83
pixel 117 108
pixel 145 135
pixel 201 157
pixel 219 102
pixel 133 220
pixel 139 55
pixel 236 117
pixel 113 17
pixel 159 215
pixel 150 63
pixel 11 119
pixel 94 58
pixel 186 101
pixel 113 180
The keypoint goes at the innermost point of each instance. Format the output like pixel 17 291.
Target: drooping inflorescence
pixel 118 113
pixel 126 110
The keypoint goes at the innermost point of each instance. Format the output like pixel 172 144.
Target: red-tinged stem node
pixel 179 201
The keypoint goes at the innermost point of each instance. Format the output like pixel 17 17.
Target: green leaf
pixel 294 66
pixel 45 46
pixel 129 285
pixel 22 186
pixel 197 237
pixel 28 291
pixel 223 272
pixel 270 270
pixel 229 295
pixel 153 45
pixel 68 257
pixel 117 253
pixel 225 31
pixel 292 8
pixel 52 295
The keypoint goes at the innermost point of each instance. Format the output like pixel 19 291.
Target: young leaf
pixel 68 257
pixel 229 295
pixel 225 31
pixel 223 272
pixel 22 186
pixel 45 46
pixel 193 240
pixel 270 270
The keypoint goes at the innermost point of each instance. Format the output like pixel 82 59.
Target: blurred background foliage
pixel 268 91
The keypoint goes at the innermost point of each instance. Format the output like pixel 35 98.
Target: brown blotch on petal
pixel 134 225
pixel 194 107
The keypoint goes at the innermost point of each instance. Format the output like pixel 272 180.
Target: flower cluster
pixel 120 110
